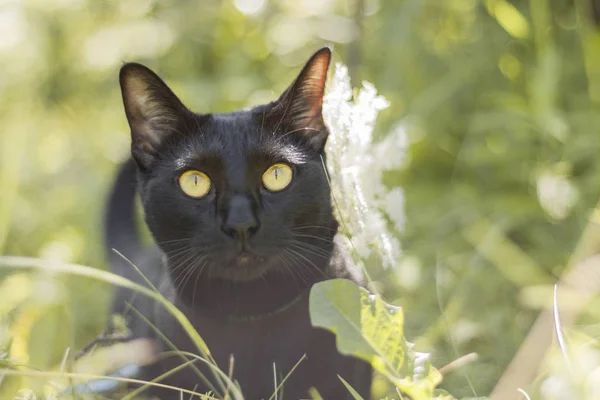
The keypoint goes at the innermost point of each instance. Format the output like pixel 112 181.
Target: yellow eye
pixel 277 177
pixel 194 183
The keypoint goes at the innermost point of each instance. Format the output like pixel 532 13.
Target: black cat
pixel 239 206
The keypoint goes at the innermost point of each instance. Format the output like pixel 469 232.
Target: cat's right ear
pixel 153 111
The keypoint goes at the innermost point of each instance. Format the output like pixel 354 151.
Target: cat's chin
pixel 243 267
pixel 242 274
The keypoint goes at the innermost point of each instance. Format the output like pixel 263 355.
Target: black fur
pixel 240 261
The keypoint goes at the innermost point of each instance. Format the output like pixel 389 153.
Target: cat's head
pixel 237 195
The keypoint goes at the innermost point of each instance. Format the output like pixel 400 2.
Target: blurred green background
pixel 500 101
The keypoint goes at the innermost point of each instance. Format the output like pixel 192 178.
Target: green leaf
pixel 368 328
pixel 353 392
pixel 362 323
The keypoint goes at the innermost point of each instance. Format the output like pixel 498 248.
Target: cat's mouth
pixel 243 265
pixel 246 257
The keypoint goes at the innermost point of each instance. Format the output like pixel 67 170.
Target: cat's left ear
pixel 300 106
pixel 153 111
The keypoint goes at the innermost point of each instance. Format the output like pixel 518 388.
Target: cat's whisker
pixel 198 277
pixel 179 258
pixel 189 272
pixel 311 227
pixel 304 271
pixel 199 128
pixel 262 122
pixel 289 269
pixel 174 240
pixel 191 268
pixel 179 252
pixel 283 135
pixel 179 270
pixel 309 251
pixel 284 113
pixel 183 265
pixel 179 278
pixel 313 237
pixel 173 256
pixel 311 246
pixel 188 254
pixel 176 252
pixel 198 267
pixel 301 269
pixel 309 262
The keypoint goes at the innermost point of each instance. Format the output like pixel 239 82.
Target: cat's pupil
pixel 276 172
pixel 196 180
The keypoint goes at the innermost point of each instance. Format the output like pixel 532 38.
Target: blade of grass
pixel 399 393
pixel 275 379
pixel 314 394
pixel 195 387
pixel 524 393
pixel 89 272
pixel 458 363
pixel 182 354
pixel 44 374
pixel 524 367
pixel 562 343
pixel 287 376
pixel 438 291
pixel 516 266
pixel 230 376
pixel 63 365
pixel 353 392
pixel 13 147
pixel 196 356
pixel 137 270
pixel 159 378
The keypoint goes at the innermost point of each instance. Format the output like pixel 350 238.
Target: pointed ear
pixel 299 107
pixel 153 111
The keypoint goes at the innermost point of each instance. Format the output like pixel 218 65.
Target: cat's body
pixel 238 258
pixel 256 345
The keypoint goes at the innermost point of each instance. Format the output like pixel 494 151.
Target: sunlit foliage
pixel 498 99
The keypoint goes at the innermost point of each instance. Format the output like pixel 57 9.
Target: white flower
pixel 580 380
pixel 356 165
pixel 393 205
pixel 391 151
pixel 556 194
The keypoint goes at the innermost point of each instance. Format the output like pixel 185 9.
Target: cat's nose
pixel 240 222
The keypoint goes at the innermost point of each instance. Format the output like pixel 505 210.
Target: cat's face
pixel 238 195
